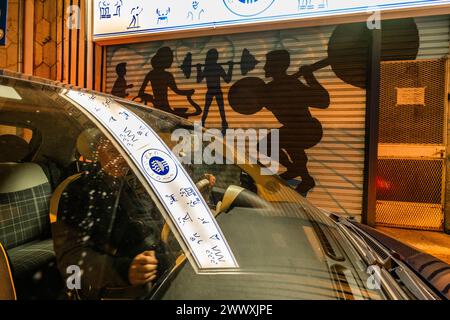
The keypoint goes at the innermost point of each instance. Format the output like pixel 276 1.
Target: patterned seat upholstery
pixel 24 216
pixel 29 257
pixel 24 204
pixel 25 233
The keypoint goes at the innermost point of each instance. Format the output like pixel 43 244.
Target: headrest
pixel 88 141
pixel 13 148
pixel 20 176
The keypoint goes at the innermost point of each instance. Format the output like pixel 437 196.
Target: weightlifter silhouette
pixel 289 100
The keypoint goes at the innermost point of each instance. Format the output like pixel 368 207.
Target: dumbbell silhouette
pixel 247 62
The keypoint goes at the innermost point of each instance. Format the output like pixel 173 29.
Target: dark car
pixel 71 221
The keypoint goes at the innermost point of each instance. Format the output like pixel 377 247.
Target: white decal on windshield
pixel 168 179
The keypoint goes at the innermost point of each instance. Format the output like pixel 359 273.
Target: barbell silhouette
pixel 348 57
pixel 247 62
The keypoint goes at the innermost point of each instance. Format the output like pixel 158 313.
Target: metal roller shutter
pixel 434 37
pixel 337 162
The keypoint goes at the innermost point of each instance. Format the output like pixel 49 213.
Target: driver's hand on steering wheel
pixel 143 268
pixel 211 179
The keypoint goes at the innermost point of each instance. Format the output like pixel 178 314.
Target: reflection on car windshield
pixel 108 224
pixel 107 227
pixel 271 230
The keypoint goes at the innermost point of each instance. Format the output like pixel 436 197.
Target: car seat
pixel 24 219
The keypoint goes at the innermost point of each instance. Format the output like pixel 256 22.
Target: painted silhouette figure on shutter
pixel 120 85
pixel 289 99
pixel 161 81
pixel 212 73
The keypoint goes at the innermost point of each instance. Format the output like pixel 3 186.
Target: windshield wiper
pixel 382 258
pixel 389 265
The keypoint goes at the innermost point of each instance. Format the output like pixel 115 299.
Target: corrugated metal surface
pixel 337 162
pixel 434 36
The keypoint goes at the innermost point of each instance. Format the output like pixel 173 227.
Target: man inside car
pixel 106 225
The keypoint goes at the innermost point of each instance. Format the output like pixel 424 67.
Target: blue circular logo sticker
pixel 159 166
pixel 248 8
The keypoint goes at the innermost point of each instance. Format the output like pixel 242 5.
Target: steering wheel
pixel 202 184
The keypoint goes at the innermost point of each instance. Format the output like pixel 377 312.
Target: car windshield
pixel 103 221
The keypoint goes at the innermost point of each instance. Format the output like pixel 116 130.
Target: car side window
pixel 24 133
pixel 15 141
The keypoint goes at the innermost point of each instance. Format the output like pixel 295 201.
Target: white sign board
pixel 410 96
pixel 114 18
pixel 170 182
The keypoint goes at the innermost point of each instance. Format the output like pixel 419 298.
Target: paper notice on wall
pixel 173 186
pixel 410 96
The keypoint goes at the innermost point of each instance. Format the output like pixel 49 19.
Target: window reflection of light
pixel 9 93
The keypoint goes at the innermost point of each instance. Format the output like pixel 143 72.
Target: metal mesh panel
pixel 409 193
pixel 412 123
pixel 410 180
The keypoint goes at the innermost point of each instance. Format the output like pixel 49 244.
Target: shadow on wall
pixel 161 81
pixel 120 86
pixel 287 96
pixel 289 100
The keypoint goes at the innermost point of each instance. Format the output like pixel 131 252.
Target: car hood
pixel 277 260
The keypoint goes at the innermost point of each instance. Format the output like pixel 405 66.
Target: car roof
pixel 61 85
